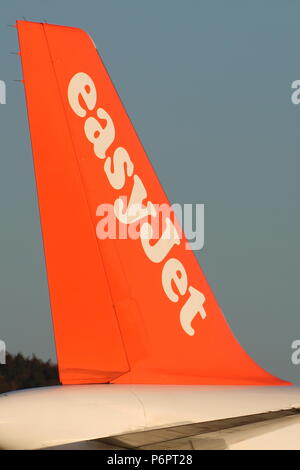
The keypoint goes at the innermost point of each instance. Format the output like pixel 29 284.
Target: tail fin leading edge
pixel 124 310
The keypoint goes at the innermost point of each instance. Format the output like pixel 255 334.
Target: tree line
pixel 26 372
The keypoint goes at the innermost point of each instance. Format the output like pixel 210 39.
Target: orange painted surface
pixel 112 319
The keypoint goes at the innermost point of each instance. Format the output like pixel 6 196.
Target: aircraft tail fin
pixel 126 309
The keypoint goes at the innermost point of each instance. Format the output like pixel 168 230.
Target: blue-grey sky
pixel 207 84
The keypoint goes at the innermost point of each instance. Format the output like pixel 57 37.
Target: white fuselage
pixel 45 417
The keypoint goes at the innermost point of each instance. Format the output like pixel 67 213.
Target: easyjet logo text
pixel 100 131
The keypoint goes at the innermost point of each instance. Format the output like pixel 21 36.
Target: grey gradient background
pixel 207 86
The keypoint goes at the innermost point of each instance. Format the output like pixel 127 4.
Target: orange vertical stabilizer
pixel 125 310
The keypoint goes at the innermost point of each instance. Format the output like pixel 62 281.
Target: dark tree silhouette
pixel 23 372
